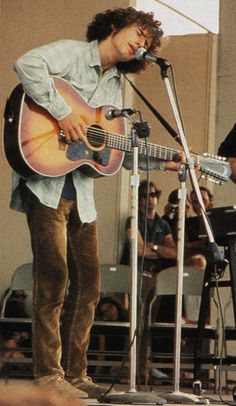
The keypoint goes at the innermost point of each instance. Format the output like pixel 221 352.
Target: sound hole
pixel 95 136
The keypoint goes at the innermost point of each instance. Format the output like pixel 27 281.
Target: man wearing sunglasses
pixel 157 251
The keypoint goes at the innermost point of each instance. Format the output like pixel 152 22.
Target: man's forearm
pixel 232 162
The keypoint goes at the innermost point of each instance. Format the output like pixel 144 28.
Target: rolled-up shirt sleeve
pixel 35 70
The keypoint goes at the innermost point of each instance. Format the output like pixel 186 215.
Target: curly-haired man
pixel 60 210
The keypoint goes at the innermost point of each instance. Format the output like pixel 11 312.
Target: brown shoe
pixel 91 388
pixel 60 384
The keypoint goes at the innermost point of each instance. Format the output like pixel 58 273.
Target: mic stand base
pixel 133 398
pixel 183 398
pixel 176 396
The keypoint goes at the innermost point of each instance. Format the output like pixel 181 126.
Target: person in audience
pixel 15 306
pixel 157 251
pixel 171 211
pixel 13 341
pixel 207 197
pixel 196 249
pixel 109 309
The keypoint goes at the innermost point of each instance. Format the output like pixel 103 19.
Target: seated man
pixel 195 250
pixel 158 252
pixel 171 211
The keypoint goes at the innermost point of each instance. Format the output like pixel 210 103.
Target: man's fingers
pixel 74 134
pixel 72 129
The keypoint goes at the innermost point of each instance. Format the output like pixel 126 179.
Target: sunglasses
pixel 151 194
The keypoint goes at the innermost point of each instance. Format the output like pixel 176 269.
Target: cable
pixel 141 270
pixel 220 369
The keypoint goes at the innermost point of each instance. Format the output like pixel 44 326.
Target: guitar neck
pixel 123 143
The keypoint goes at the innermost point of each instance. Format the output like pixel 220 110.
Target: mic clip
pixel 115 113
pixel 142 128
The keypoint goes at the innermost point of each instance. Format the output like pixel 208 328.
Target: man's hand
pixel 73 130
pixel 175 166
pixel 232 162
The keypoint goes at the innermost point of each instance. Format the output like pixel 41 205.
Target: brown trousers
pixel 66 287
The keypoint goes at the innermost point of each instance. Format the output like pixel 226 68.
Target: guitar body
pixel 33 143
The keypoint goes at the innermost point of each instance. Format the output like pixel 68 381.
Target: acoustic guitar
pixel 33 143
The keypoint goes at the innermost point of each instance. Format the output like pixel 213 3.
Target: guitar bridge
pixel 79 151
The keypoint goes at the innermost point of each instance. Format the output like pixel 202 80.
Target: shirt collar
pixel 94 54
pixel 95 58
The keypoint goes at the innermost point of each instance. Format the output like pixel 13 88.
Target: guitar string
pixel 122 141
pixel 120 138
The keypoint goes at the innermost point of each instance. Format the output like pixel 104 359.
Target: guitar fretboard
pixel 123 143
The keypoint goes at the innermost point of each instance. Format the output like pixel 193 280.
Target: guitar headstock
pixel 216 168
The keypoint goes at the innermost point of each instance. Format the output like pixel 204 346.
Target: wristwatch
pixel 155 247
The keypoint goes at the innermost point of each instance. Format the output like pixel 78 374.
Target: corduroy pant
pixel 66 287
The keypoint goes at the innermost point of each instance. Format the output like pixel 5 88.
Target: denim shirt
pixel 79 63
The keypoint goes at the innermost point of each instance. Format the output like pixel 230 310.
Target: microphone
pixel 114 113
pixel 142 53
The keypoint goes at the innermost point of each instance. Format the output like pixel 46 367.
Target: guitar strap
pixel 162 120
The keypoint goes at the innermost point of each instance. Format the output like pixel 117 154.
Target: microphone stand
pixel 139 130
pixel 176 396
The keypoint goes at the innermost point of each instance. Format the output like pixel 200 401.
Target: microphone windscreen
pixel 139 54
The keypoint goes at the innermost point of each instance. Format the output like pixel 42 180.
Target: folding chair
pixel 166 285
pixel 22 280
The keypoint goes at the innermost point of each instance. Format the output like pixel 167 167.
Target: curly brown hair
pixel 103 23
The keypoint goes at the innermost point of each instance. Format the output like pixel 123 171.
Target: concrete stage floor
pixel 157 394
